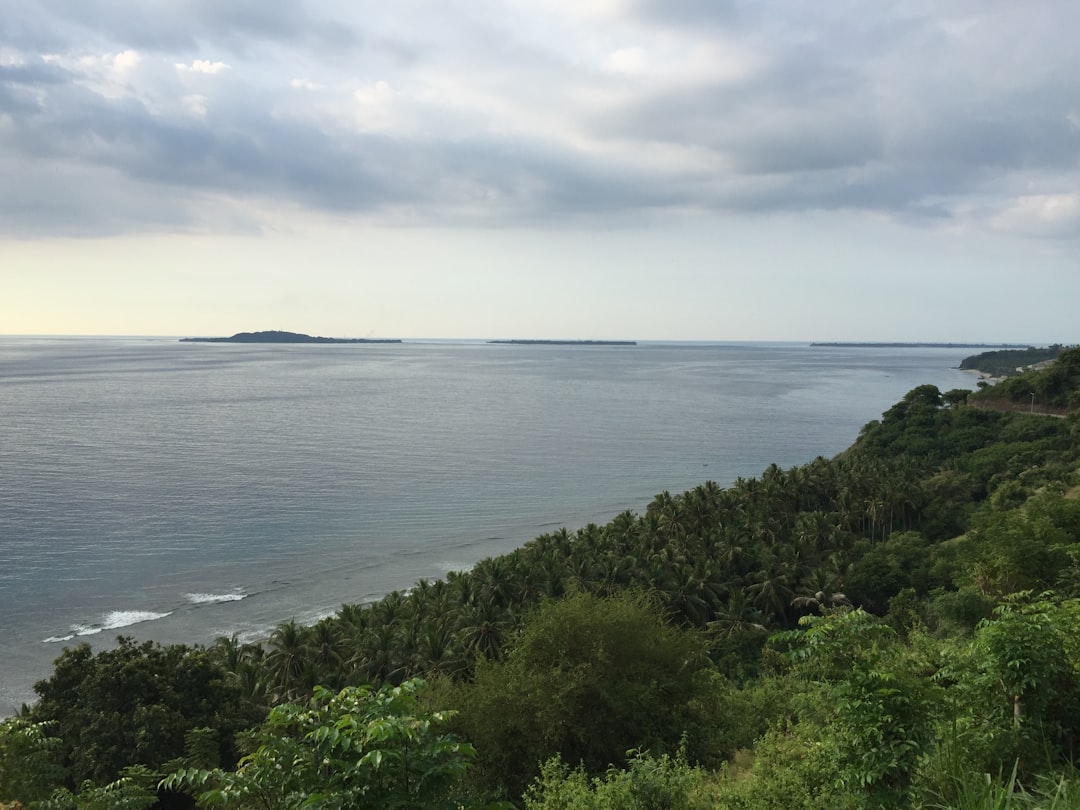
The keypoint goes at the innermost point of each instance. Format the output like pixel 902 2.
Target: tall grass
pixel 1059 791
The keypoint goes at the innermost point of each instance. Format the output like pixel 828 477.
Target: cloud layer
pixel 200 115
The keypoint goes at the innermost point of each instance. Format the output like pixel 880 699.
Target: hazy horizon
pixel 504 338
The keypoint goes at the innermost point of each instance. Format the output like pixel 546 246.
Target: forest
pixel 1008 362
pixel 898 626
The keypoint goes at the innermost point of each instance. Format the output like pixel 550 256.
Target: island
pixel 528 342
pixel 924 345
pixel 277 336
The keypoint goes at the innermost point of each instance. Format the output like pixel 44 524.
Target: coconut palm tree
pixel 285 659
pixel 326 650
pixel 736 616
pixel 770 590
pixel 820 590
pixel 483 629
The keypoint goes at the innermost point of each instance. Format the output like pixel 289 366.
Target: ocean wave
pixel 447 566
pixel 113 620
pixel 214 598
pixel 58 639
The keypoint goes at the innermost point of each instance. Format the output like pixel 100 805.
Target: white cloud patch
pixel 627 60
pixel 375 107
pixel 112 75
pixel 11 57
pixel 1045 215
pixel 203 66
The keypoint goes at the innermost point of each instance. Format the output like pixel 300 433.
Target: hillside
pixel 880 629
pixel 1008 362
pixel 1052 389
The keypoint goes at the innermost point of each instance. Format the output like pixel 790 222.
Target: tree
pixel 133 705
pixel 286 657
pixel 360 747
pixel 878 715
pixel 648 783
pixel 1014 688
pixel 955 397
pixel 29 761
pixel 588 678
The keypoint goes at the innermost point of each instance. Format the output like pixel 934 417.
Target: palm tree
pixel 390 608
pixel 437 651
pixel 483 629
pixel 464 586
pixel 379 658
pixel 495 580
pixel 770 591
pixel 736 616
pixel 623 529
pixel 286 658
pixel 353 616
pixel 326 651
pixel 229 652
pixel 820 590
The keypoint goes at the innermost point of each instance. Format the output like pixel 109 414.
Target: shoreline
pixel 404 469
pixel 983 375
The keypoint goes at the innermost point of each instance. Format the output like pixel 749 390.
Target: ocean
pixel 182 491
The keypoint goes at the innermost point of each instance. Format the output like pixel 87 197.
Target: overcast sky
pixel 650 169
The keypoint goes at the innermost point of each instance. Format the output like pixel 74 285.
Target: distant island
pixel 526 342
pixel 926 345
pixel 277 336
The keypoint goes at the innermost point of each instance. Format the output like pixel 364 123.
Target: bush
pixel 588 678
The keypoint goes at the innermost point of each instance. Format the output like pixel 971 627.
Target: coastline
pixel 310 482
pixel 983 376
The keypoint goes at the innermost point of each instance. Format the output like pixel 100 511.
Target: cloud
pixel 1045 215
pixel 202 66
pixel 195 104
pixel 963 113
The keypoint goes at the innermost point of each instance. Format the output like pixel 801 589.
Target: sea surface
pixel 182 491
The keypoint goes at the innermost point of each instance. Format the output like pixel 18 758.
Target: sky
pixel 574 169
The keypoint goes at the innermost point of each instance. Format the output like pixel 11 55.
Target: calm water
pixel 184 491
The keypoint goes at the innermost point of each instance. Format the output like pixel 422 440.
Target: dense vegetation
pixel 1008 362
pixel 1054 390
pixel 895 627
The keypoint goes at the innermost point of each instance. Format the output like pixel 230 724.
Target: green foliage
pixel 647 783
pixel 134 789
pixel 735 717
pixel 360 747
pixel 959 611
pixel 1012 691
pixel 789 769
pixel 1055 387
pixel 133 705
pixel 589 678
pixel 1022 549
pixel 29 761
pixel 880 713
pixel 921 427
pixel 902 561
pixel 1005 362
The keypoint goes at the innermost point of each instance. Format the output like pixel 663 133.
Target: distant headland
pixel 277 336
pixel 526 342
